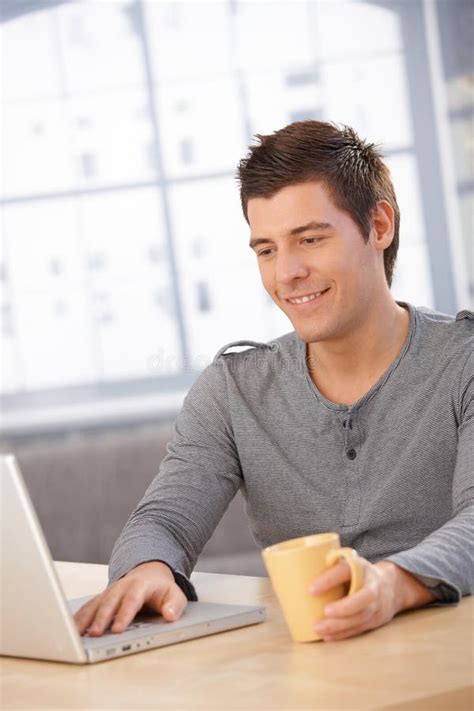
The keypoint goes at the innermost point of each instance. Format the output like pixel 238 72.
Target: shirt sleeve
pixel 444 560
pixel 197 480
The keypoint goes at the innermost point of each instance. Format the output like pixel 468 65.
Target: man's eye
pixel 264 252
pixel 312 240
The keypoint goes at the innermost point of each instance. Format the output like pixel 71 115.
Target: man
pixel 360 421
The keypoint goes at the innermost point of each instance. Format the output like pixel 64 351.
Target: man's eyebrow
pixel 310 226
pixel 295 231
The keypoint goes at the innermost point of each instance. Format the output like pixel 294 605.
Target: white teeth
pixel 305 299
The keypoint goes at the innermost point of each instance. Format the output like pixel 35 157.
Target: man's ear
pixel 383 225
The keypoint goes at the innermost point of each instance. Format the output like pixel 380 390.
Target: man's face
pixel 314 262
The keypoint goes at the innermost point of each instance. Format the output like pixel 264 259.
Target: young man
pixel 360 421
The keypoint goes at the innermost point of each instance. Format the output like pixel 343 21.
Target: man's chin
pixel 312 330
pixel 309 335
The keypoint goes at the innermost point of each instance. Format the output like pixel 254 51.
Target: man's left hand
pixel 387 589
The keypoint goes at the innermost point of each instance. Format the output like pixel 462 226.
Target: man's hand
pixel 387 590
pixel 150 584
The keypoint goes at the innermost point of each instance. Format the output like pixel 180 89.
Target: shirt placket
pixel 350 456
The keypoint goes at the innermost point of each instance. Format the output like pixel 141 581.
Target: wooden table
pixel 421 660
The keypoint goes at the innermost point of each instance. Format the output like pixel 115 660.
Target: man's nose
pixel 289 267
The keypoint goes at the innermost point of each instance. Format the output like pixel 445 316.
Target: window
pixel 126 257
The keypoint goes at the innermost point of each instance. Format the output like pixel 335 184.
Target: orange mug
pixel 293 565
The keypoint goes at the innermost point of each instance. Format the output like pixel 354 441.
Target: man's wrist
pixel 408 591
pixel 154 565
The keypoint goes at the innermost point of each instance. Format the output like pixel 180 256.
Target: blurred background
pixel 125 263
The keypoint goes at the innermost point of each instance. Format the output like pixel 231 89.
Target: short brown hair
pixel 351 169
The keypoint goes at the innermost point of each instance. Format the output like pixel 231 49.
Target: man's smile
pixel 305 298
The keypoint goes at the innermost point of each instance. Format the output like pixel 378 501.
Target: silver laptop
pixel 37 620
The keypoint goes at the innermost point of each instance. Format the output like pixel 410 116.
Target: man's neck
pixel 345 369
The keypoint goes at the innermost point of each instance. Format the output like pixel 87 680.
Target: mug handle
pixel 353 560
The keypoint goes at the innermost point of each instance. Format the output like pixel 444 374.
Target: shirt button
pixel 351 453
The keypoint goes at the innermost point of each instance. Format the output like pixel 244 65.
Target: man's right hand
pixel 150 584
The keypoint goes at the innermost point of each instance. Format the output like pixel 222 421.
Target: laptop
pixel 36 620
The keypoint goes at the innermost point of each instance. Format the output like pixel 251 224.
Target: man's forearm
pixel 408 591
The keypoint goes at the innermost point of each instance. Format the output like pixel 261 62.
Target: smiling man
pixel 331 283
pixel 360 421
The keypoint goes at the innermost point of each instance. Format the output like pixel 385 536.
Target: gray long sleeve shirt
pixel 393 473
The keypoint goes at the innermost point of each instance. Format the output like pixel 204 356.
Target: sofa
pixel 84 486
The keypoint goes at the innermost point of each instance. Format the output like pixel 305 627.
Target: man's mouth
pixel 296 300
